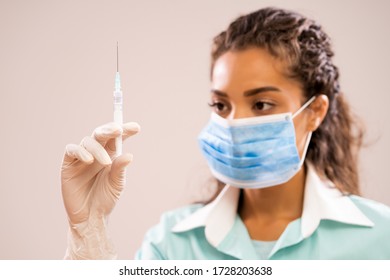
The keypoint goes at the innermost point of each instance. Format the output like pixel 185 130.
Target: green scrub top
pixel 332 226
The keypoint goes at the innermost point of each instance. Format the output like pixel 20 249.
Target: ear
pixel 318 110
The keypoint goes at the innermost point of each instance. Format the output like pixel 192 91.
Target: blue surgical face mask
pixel 255 152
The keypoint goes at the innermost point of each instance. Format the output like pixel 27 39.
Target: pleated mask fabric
pixel 255 152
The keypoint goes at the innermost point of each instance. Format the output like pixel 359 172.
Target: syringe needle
pixel 118 114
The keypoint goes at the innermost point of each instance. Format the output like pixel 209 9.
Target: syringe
pixel 118 102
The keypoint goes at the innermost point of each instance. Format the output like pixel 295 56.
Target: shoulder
pixel 374 239
pixel 160 242
pixel 168 220
pixel 377 212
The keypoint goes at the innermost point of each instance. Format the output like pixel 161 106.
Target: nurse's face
pixel 252 83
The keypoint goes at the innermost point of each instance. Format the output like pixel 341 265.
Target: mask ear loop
pixel 304 106
pixel 310 133
pixel 305 149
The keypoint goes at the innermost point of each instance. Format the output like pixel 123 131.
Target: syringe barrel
pixel 118 112
pixel 118 97
pixel 118 118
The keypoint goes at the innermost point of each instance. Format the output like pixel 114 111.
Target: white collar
pixel 321 201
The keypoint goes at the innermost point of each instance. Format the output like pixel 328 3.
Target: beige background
pixel 57 66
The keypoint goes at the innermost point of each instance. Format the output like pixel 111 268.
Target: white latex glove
pixel 92 181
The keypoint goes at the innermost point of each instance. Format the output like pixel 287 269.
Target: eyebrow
pixel 247 93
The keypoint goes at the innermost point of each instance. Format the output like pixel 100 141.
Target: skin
pixel 265 212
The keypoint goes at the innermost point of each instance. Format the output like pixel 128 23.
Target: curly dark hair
pixel 306 49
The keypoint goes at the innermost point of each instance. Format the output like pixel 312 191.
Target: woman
pixel 281 138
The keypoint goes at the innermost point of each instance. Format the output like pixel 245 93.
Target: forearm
pixel 89 240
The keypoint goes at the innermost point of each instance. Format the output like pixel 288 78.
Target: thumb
pixel 117 174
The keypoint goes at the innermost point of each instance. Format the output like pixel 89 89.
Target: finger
pixel 117 173
pixel 129 129
pixel 108 131
pixel 96 150
pixel 76 152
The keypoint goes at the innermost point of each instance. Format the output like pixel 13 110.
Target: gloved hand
pixel 92 181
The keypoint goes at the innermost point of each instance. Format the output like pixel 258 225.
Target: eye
pixel 218 106
pixel 262 106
